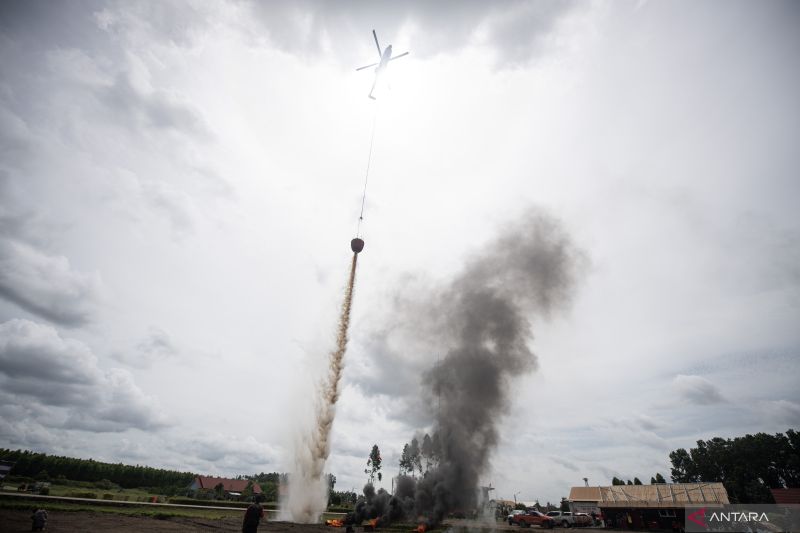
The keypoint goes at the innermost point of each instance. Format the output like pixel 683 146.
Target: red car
pixel 535 518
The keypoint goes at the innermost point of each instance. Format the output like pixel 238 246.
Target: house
pixel 233 487
pixel 646 506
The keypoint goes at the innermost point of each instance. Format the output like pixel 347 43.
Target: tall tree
pixel 436 449
pixel 405 461
pixel 374 464
pixel 748 466
pixel 660 478
pixel 637 481
pixel 426 450
pixel 413 455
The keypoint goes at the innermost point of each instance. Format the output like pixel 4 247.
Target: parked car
pixel 535 518
pixel 567 519
pixel 512 518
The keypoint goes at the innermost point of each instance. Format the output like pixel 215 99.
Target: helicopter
pixel 385 57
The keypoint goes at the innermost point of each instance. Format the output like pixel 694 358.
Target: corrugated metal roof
pixel 584 494
pixel 658 495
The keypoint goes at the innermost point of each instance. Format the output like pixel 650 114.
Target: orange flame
pixel 422 528
pixel 334 523
pixel 373 522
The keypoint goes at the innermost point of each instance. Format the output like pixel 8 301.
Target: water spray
pixel 308 489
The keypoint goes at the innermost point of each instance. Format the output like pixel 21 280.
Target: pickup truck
pixel 567 519
pixel 512 518
pixel 534 518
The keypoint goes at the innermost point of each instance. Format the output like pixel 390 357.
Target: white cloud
pixel 41 369
pixel 47 285
pixel 697 390
pixel 157 346
pixel 785 412
pixel 516 30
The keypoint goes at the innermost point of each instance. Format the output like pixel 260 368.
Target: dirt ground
pixel 12 521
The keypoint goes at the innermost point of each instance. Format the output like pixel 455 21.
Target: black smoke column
pixel 485 318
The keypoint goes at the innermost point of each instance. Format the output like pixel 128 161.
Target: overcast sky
pixel 179 182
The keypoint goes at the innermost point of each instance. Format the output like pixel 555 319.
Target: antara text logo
pixel 699 517
pixel 739 517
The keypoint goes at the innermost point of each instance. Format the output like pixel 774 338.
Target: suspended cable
pixel 366 175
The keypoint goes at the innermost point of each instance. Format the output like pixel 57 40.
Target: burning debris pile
pixel 482 322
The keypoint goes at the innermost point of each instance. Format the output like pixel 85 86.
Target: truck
pixel 534 518
pixel 567 519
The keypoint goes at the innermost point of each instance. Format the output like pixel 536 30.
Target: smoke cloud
pixel 482 322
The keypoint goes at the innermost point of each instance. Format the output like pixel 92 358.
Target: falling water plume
pixel 308 488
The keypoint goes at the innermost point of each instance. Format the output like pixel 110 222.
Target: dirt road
pixel 12 521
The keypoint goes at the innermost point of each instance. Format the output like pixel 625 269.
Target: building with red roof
pixel 236 486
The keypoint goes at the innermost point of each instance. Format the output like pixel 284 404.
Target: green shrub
pixel 108 496
pixel 91 495
pixel 106 485
pixel 44 491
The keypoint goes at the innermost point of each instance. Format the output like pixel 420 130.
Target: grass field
pixel 131 495
pixel 152 511
pixel 9 501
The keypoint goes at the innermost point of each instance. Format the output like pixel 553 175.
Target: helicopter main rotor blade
pixel 380 53
pixel 362 68
pixel 398 57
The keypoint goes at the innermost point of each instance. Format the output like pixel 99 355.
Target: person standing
pixel 38 519
pixel 252 516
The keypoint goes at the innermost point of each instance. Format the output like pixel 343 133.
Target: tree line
pixel 658 478
pixel 53 467
pixel 420 457
pixel 417 458
pixel 747 466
